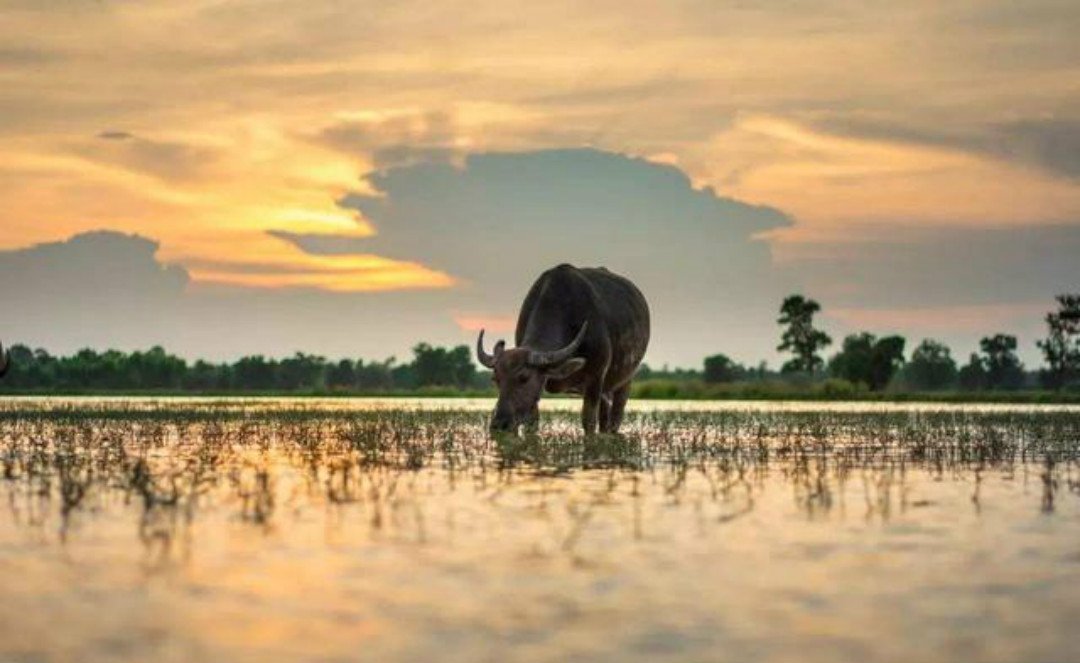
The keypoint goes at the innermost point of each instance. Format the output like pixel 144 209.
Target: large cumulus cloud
pixel 99 287
pixel 499 219
pixel 107 289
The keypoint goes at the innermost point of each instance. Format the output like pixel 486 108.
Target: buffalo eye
pixel 522 378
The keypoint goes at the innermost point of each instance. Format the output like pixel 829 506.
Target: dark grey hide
pixel 581 331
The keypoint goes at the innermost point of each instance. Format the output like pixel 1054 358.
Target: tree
pixel 342 374
pixel 1062 344
pixel 157 369
pixel 442 366
pixel 1003 367
pixel 800 337
pixel 868 360
pixel 153 369
pixel 204 376
pixel 25 370
pixel 852 363
pixel 720 368
pixel 972 377
pixel 464 368
pixel 931 367
pixel 432 366
pixel 254 373
pixel 375 375
pixel 301 371
pixel 886 360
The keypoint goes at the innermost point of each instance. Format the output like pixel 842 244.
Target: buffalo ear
pixel 565 369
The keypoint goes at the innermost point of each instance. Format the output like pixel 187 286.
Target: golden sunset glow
pixel 209 142
pixel 474 323
pixel 839 188
pixel 334 273
pixel 249 138
pixel 591 330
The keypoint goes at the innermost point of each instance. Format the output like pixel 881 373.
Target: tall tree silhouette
pixel 800 337
pixel 1003 367
pixel 1062 344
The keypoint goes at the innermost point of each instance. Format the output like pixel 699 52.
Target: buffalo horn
pixel 541 359
pixel 487 360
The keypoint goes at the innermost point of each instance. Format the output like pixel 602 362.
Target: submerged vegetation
pixel 186 529
pixel 166 455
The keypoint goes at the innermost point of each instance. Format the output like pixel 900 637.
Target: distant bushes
pixel 666 389
pixel 433 371
pixel 831 389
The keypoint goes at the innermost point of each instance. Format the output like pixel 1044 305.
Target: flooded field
pixel 337 530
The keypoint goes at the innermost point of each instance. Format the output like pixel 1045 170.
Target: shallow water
pixel 255 530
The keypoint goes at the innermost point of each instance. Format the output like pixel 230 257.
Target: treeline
pixel 157 370
pixel 866 362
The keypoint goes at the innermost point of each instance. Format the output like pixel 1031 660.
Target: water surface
pixel 299 530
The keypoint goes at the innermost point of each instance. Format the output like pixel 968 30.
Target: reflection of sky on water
pixel 293 535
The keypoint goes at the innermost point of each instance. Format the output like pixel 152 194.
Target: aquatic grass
pixel 167 458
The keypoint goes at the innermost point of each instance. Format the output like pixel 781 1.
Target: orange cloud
pixel 365 273
pixel 490 323
pixel 842 187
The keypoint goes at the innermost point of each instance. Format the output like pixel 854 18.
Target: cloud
pixel 1051 144
pixel 336 273
pixel 493 324
pixel 844 176
pixel 594 94
pixel 99 267
pixel 115 135
pixel 25 56
pixel 325 244
pixel 167 160
pixel 396 140
pixel 100 286
pixel 499 219
pixel 508 210
pixel 106 289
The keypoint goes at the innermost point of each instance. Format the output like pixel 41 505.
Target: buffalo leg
pixel 618 407
pixel 605 412
pixel 590 411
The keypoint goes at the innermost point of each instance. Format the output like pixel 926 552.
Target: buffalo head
pixel 521 374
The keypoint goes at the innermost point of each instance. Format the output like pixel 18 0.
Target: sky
pixel 349 178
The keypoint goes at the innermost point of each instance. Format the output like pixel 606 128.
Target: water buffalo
pixel 5 361
pixel 581 331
